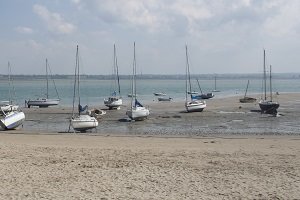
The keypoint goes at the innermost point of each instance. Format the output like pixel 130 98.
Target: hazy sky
pixel 223 36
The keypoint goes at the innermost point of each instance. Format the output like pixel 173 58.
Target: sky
pixel 222 36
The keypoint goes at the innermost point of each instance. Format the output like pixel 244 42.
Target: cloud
pixel 54 21
pixel 285 21
pixel 25 30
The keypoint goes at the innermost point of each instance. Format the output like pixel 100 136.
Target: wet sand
pixel 224 116
pixel 227 151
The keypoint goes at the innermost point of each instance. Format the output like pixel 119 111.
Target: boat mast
pixel 265 76
pixel 188 71
pixel 134 74
pixel 216 82
pixel 199 86
pixel 133 78
pixel 246 89
pixel 75 83
pixel 78 80
pixel 271 82
pixel 9 92
pixel 47 94
pixel 116 70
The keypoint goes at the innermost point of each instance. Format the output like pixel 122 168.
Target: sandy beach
pixel 229 151
pixel 98 167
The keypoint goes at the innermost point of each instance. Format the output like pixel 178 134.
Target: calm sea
pixel 94 91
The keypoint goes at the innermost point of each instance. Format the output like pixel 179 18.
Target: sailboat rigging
pixel 137 111
pixel 208 95
pixel 267 106
pixel 115 100
pixel 7 106
pixel 80 122
pixel 44 102
pixel 215 90
pixel 192 105
pixel 10 116
pixel 246 99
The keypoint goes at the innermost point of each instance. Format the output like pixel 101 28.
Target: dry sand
pixel 98 167
pixel 240 156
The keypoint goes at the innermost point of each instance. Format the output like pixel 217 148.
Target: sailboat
pixel 267 106
pixel 192 105
pixel 137 111
pixel 44 102
pixel 114 101
pixel 8 106
pixel 215 90
pixel 80 122
pixel 11 118
pixel 208 95
pixel 246 99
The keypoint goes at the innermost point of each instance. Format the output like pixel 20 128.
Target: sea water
pixel 92 92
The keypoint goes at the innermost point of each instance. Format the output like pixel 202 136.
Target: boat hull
pixel 6 107
pixel 248 100
pixel 195 106
pixel 113 102
pixel 12 120
pixel 268 107
pixel 164 99
pixel 42 102
pixel 159 94
pixel 204 96
pixel 138 113
pixel 84 122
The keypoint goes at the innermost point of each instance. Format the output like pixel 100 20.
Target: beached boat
pixel 192 105
pixel 132 95
pixel 203 95
pixel 268 106
pixel 215 90
pixel 10 116
pixel 12 119
pixel 44 101
pixel 164 98
pixel 115 101
pixel 193 92
pixel 159 94
pixel 137 111
pixel 8 106
pixel 79 121
pixel 246 99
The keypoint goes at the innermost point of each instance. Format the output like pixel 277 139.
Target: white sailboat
pixel 137 111
pixel 215 90
pixel 8 106
pixel 80 122
pixel 44 101
pixel 12 119
pixel 115 101
pixel 192 105
pixel 268 106
pixel 10 116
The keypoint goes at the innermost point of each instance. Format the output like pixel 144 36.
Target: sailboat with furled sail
pixel 79 121
pixel 137 111
pixel 192 105
pixel 268 106
pixel 44 101
pixel 115 100
pixel 246 99
pixel 10 116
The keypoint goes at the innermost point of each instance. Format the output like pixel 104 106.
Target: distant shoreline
pixel 157 76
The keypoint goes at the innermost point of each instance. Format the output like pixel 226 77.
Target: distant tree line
pixel 156 76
